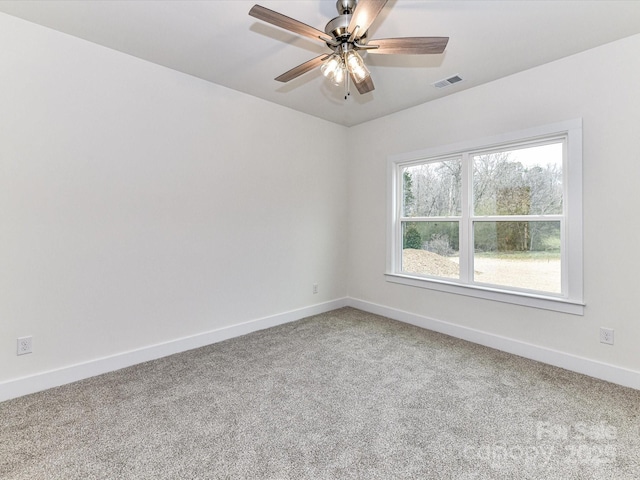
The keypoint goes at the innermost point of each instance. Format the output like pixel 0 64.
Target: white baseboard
pixel 53 378
pixel 592 368
pixel 42 381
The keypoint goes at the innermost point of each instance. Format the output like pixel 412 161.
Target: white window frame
pixel 571 300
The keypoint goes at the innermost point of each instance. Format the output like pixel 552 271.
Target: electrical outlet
pixel 315 288
pixel 25 345
pixel 606 335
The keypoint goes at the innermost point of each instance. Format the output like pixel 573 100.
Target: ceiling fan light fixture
pixel 334 69
pixel 356 66
pixel 338 76
pixel 330 66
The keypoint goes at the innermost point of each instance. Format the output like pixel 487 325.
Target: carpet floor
pixel 342 395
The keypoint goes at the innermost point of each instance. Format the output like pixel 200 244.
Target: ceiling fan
pixel 345 35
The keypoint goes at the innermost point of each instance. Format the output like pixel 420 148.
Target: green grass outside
pixel 541 255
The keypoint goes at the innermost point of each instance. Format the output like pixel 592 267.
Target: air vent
pixel 447 81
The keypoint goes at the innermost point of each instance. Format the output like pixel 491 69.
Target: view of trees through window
pixel 513 219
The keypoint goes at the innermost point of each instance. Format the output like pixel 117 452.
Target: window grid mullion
pixel 430 219
pixel 465 237
pixel 518 218
pixel 397 260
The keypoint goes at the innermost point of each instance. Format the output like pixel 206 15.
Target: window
pixel 499 218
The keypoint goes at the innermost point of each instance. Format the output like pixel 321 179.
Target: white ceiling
pixel 218 41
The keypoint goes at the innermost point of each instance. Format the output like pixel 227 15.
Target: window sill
pixel 533 300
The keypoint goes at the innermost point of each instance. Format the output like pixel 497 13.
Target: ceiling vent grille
pixel 447 81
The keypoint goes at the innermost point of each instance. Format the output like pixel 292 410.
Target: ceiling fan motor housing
pixel 337 27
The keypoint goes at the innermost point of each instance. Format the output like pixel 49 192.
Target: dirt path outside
pixel 538 274
pixel 533 274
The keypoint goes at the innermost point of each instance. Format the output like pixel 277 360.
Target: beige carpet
pixel 344 394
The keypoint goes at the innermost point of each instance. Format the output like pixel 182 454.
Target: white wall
pixel 600 86
pixel 139 205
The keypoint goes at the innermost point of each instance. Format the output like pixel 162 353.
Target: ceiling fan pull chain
pixel 346 87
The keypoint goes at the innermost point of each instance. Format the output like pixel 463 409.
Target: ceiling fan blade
pixel 363 16
pixel 408 45
pixel 364 86
pixel 302 68
pixel 282 21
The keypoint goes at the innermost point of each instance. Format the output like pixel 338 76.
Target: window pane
pixel 518 254
pixel 526 181
pixel 432 189
pixel 431 248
